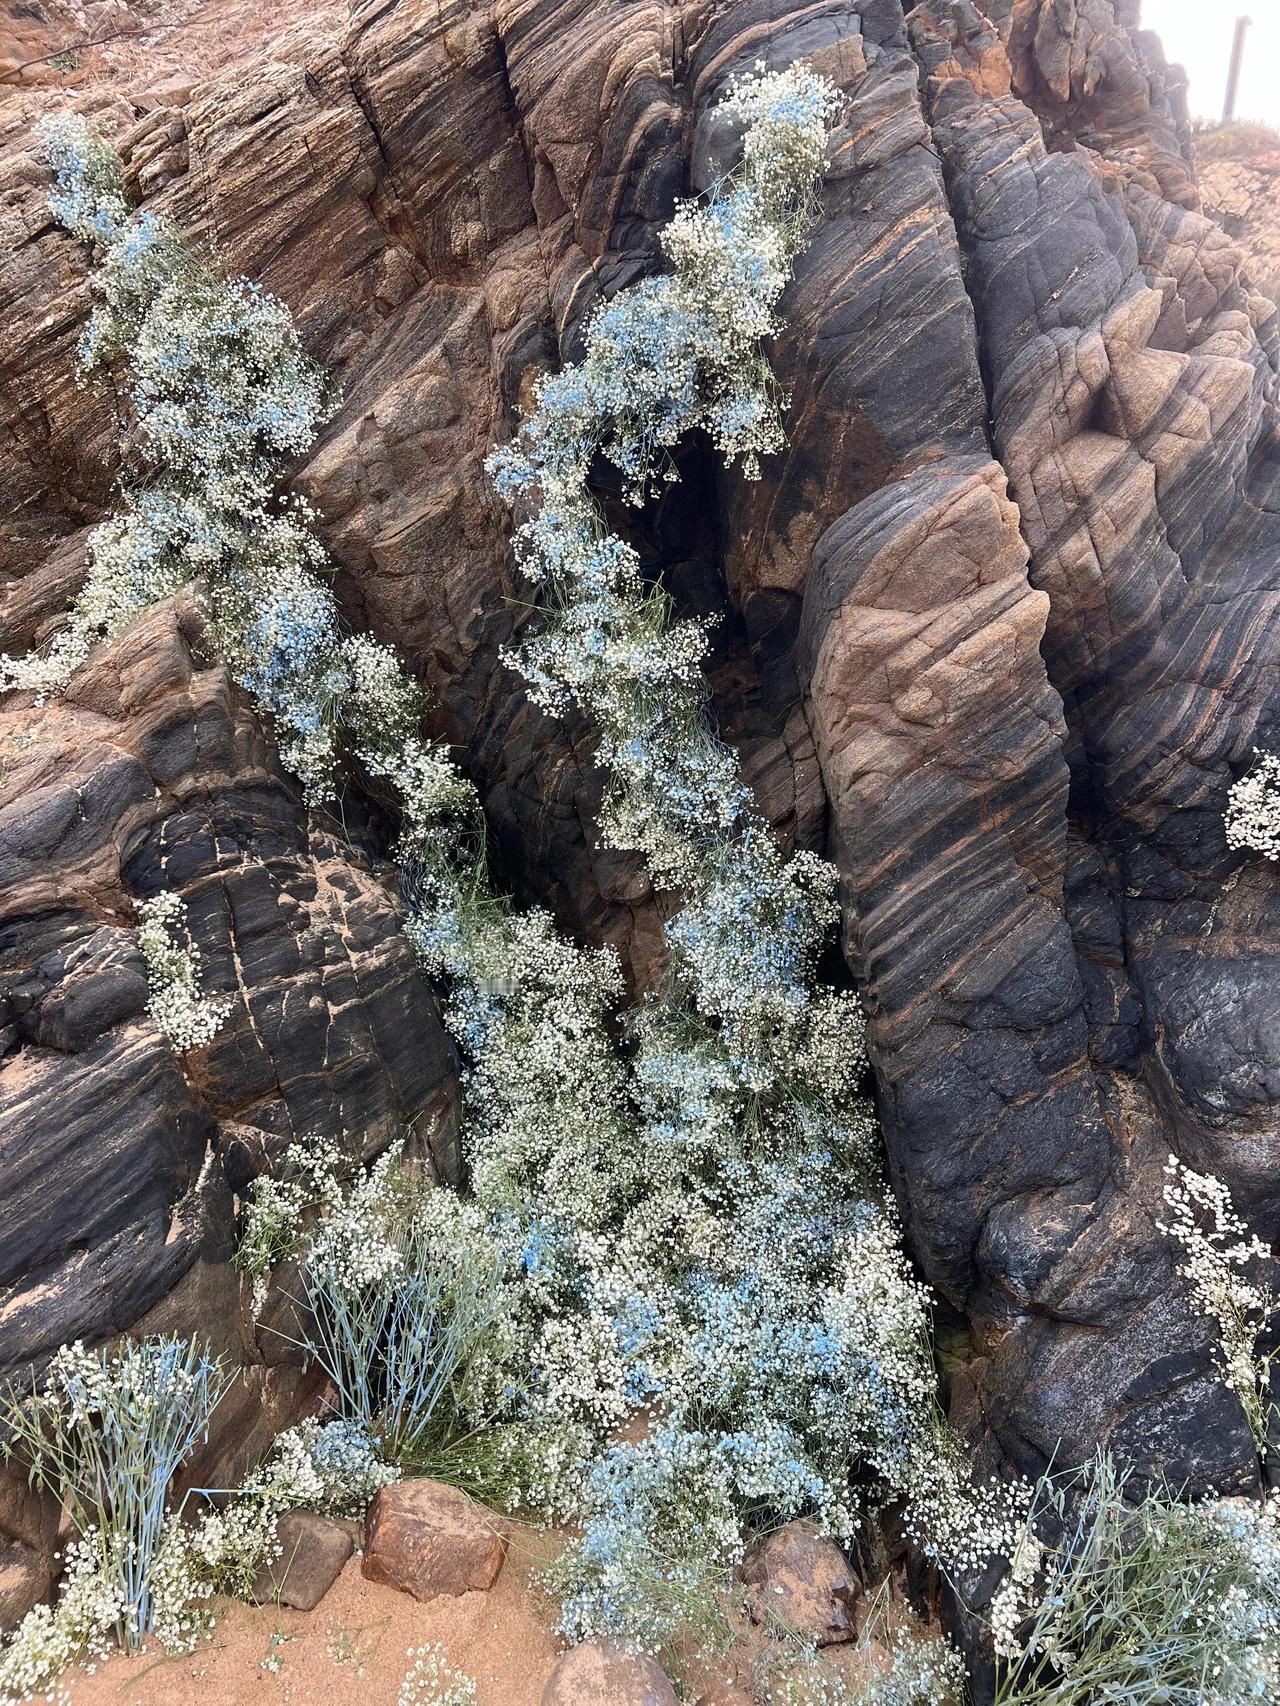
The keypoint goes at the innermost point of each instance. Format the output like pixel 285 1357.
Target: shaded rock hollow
pixel 998 632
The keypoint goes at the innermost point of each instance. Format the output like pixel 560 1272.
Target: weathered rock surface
pixel 800 1583
pixel 427 1539
pixel 1241 192
pixel 999 631
pixel 726 1694
pixel 312 1551
pixel 598 1673
pixel 119 1159
pixel 28 1567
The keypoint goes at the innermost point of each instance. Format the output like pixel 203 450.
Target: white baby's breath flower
pixel 188 1018
pixel 1253 808
pixel 1219 1257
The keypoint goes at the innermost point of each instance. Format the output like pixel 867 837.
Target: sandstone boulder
pixel 29 1522
pixel 600 1673
pixel 428 1539
pixel 801 1583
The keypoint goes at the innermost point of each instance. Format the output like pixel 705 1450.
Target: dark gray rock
pixel 312 1552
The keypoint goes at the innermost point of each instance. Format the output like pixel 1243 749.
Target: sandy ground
pixel 352 1647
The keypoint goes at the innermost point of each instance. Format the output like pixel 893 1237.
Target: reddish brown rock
pixel 312 1551
pixel 600 1673
pixel 428 1539
pixel 800 1583
pixel 726 1694
pixel 29 1521
pixel 1098 82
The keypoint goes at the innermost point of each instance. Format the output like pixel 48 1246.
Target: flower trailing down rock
pixel 221 390
pixel 188 1018
pixel 1219 1254
pixel 747 1069
pixel 666 356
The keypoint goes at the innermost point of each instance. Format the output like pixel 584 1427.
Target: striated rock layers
pixel 998 632
pixel 117 1156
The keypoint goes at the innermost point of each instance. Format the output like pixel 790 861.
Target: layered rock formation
pixel 119 1157
pixel 1027 717
pixel 996 632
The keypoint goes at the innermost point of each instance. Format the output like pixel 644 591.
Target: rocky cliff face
pixel 998 632
pixel 1240 184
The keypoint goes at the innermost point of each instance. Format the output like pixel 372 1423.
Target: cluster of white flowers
pixel 400 1282
pixel 319 1175
pixel 223 393
pixel 1252 816
pixel 188 1018
pixel 907 1671
pixel 269 1230
pixel 105 1434
pixel 50 1638
pixel 670 354
pixel 221 389
pixel 88 182
pixel 1007 1611
pixel 1243 1536
pixel 431 1681
pixel 922 1672
pixel 350 1240
pixel 331 1467
pixel 1219 1253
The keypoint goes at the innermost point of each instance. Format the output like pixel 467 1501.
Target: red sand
pixel 352 1647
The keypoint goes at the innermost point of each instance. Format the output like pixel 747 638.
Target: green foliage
pixel 398 1297
pixel 1142 1602
pixel 396 1328
pixel 106 1434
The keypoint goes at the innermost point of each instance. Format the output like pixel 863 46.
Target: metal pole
pixel 1233 74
